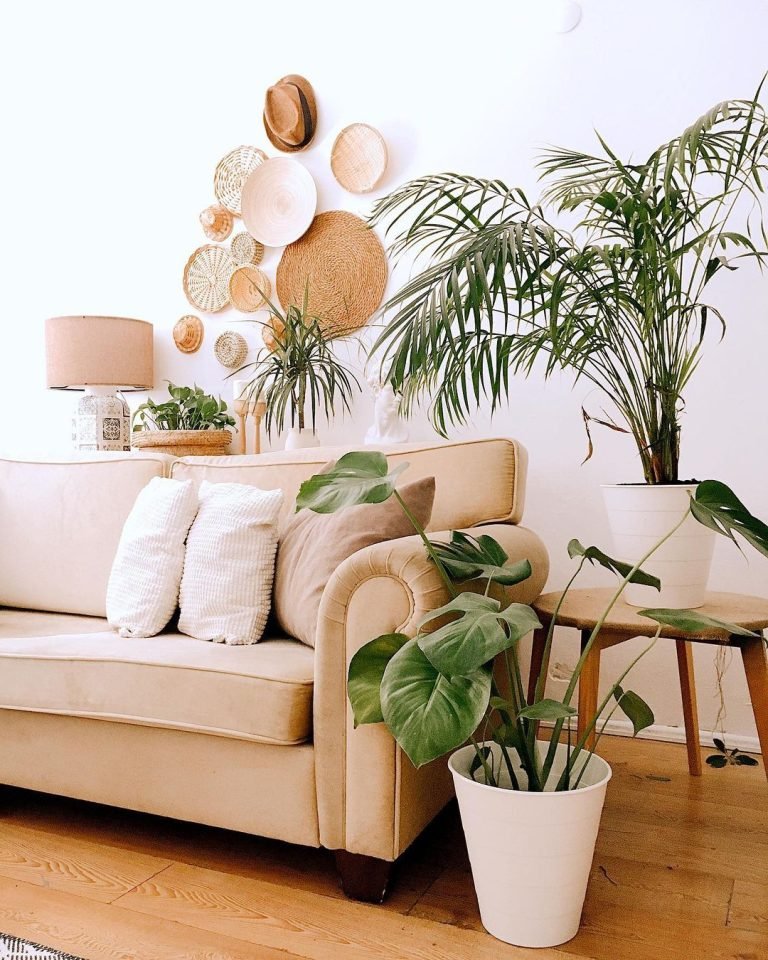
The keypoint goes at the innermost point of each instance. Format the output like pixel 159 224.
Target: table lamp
pixel 99 355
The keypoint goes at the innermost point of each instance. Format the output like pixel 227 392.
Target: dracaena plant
pixel 190 408
pixel 620 300
pixel 438 690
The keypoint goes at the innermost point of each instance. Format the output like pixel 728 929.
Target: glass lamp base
pixel 101 422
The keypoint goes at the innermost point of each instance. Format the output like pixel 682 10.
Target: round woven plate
pixel 206 278
pixel 342 265
pixel 249 288
pixel 231 173
pixel 359 158
pixel 244 249
pixel 230 349
pixel 188 333
pixel 279 201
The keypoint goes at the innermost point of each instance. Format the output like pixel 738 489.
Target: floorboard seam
pixel 136 886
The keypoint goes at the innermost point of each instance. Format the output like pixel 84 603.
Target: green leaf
pixel 428 713
pixel 475 558
pixel 355 478
pixel 691 621
pixel 477 635
pixel 548 710
pixel 634 708
pixel 366 669
pixel 716 506
pixel 477 763
pixel 743 760
pixel 717 760
pixel 595 555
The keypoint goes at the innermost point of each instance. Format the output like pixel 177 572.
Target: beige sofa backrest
pixel 477 481
pixel 60 522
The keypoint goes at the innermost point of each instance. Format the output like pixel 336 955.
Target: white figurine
pixel 387 427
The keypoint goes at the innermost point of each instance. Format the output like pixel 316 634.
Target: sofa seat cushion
pixel 76 666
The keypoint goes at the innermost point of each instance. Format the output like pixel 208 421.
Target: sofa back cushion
pixel 476 481
pixel 60 524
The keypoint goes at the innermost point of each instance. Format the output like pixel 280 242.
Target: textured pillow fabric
pixel 313 545
pixel 226 587
pixel 143 586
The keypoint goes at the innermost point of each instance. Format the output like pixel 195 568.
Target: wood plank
pixel 98 931
pixel 316 927
pixel 749 907
pixel 71 864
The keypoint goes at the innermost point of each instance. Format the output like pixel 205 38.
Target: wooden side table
pixel 583 608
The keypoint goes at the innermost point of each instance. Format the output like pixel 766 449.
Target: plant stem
pixel 430 550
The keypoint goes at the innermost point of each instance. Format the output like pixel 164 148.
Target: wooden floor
pixel 681 873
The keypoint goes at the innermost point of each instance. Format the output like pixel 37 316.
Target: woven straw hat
pixel 341 264
pixel 278 201
pixel 290 113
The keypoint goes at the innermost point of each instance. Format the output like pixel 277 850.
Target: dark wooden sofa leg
pixel 363 878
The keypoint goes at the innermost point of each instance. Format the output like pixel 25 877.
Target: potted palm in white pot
pixel 530 807
pixel 620 300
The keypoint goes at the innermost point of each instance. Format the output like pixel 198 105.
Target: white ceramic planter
pixel 300 439
pixel 640 515
pixel 530 853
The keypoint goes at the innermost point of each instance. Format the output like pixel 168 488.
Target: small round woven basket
pixel 249 289
pixel 184 443
pixel 216 222
pixel 244 248
pixel 206 278
pixel 341 264
pixel 359 158
pixel 188 333
pixel 230 349
pixel 231 173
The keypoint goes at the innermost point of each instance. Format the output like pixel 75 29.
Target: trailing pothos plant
pixel 190 408
pixel 438 689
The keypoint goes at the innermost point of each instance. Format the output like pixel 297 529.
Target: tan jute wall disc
pixel 188 333
pixel 344 267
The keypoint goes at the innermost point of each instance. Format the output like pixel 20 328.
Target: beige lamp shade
pixel 98 352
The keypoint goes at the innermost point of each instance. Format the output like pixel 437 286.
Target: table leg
pixel 537 661
pixel 690 711
pixel 589 681
pixel 756 669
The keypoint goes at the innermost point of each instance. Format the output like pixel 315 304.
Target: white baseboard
pixel 657 731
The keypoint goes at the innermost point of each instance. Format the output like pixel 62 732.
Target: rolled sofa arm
pixel 370 798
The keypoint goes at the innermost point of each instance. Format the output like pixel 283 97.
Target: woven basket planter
pixel 184 443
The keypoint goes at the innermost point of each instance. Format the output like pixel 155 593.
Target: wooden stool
pixel 583 608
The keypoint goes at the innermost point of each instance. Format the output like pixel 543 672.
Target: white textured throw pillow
pixel 143 586
pixel 226 588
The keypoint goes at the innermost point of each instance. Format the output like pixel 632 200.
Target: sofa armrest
pixel 370 798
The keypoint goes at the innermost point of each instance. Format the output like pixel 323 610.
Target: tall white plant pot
pixel 639 516
pixel 300 439
pixel 530 853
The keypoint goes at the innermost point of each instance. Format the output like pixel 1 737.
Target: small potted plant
pixel 530 800
pixel 619 300
pixel 191 423
pixel 297 375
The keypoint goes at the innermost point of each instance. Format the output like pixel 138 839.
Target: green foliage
pixel 634 708
pixel 189 408
pixel 725 757
pixel 366 671
pixel 355 478
pixel 716 506
pixel 693 622
pixel 620 300
pixel 594 555
pixel 479 558
pixel 300 377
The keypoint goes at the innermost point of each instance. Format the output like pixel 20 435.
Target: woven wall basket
pixel 249 289
pixel 231 173
pixel 342 264
pixel 359 158
pixel 243 249
pixel 231 349
pixel 188 333
pixel 206 278
pixel 184 443
pixel 216 222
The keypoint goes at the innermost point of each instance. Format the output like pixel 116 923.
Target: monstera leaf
pixel 595 555
pixel 716 506
pixel 428 713
pixel 634 708
pixel 481 631
pixel 366 670
pixel 479 558
pixel 691 621
pixel 355 478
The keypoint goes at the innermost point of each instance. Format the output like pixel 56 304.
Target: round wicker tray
pixel 206 278
pixel 244 249
pixel 249 289
pixel 231 349
pixel 231 173
pixel 184 443
pixel 359 158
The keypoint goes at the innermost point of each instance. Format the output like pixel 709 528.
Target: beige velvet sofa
pixel 258 738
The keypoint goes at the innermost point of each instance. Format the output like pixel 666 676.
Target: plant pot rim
pixel 551 795
pixel 154 438
pixel 642 485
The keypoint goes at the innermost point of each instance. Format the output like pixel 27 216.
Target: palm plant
pixel 619 300
pixel 298 374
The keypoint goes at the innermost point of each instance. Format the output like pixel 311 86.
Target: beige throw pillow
pixel 312 545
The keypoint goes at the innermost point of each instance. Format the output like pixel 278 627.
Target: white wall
pixel 115 115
